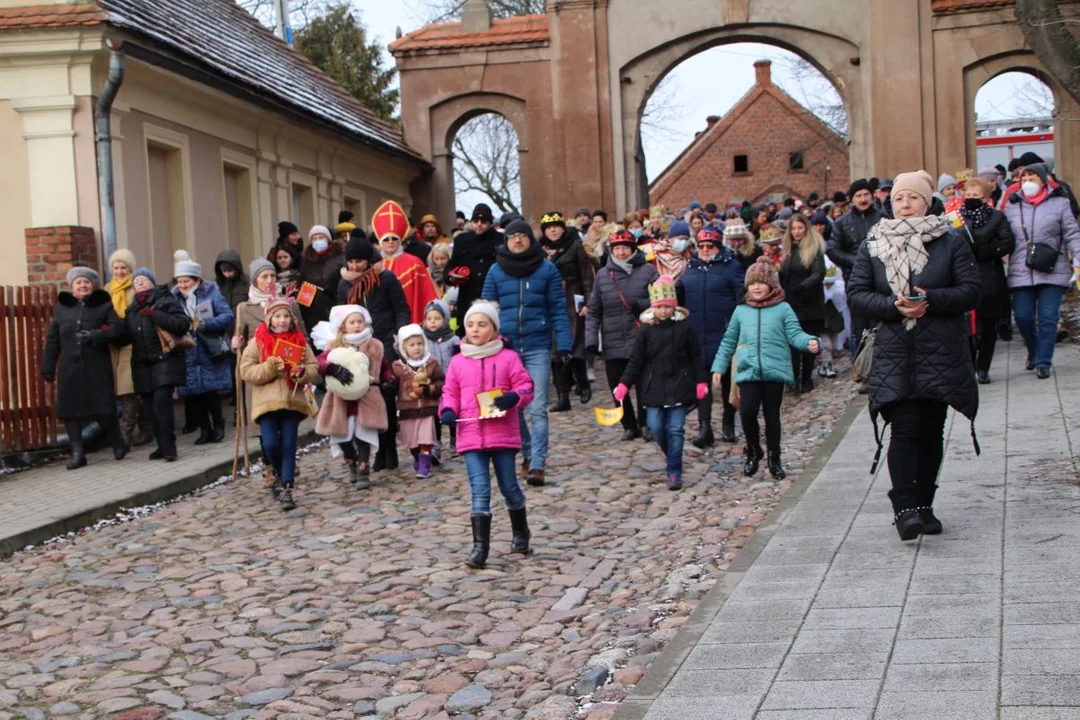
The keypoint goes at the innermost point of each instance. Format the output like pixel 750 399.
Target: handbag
pixel 1040 256
pixel 864 358
pixel 171 343
pixel 216 346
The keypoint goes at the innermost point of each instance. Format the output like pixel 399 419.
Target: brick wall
pixel 52 251
pixel 766 130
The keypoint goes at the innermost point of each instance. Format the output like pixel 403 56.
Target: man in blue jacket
pixel 532 305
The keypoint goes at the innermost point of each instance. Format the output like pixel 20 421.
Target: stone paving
pixel 357 604
pixel 837 619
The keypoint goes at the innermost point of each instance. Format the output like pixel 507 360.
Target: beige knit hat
pixel 918 181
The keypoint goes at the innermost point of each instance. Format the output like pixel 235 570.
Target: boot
pixel 415 459
pixel 631 434
pixel 144 431
pixel 204 436
pixel 562 404
pixel 217 419
pixel 519 524
pixel 753 458
pixel 288 502
pixel 704 415
pixel 129 419
pixel 481 536
pixel 704 438
pixel 78 456
pixel 775 468
pixel 931 525
pixel 586 395
pixel 423 469
pixel 908 524
pixel 354 474
pixel 111 425
pixel 363 466
pixel 728 433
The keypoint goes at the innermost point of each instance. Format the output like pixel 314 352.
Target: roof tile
pixel 445 36
pixel 42 16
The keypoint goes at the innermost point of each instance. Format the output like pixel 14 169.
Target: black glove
pixel 506 401
pixel 448 418
pixel 593 350
pixel 341 374
pixel 83 336
pixel 390 387
pixel 565 357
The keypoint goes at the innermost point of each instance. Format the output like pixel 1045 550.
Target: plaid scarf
pixel 900 246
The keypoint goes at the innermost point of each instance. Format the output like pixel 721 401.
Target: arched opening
pixel 485 157
pixel 1014 112
pixel 776 125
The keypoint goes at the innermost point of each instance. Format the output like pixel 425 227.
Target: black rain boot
pixel 481 537
pixel 74 430
pixel 561 380
pixel 753 458
pixel 775 468
pixel 520 526
pixel 931 524
pixel 562 403
pixel 704 413
pixel 728 426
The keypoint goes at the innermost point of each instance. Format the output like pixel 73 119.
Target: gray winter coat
pixel 1050 222
pixel 617 316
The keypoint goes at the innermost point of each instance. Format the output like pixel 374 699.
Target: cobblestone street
pixel 357 604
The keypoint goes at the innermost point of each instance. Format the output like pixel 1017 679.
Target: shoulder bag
pixel 1040 256
pixel 171 343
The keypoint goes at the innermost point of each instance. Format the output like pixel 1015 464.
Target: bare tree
pixel 444 10
pixel 664 109
pixel 300 11
pixel 813 91
pixel 1048 34
pixel 485 152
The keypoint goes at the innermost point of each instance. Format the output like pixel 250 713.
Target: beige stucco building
pixel 219 131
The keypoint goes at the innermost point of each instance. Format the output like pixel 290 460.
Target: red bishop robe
pixel 415 280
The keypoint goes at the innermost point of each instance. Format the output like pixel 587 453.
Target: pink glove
pixel 702 390
pixel 620 392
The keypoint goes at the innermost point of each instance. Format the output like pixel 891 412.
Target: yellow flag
pixel 606 417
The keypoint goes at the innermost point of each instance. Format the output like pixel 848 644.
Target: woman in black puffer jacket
pixel 156 373
pixel 915 278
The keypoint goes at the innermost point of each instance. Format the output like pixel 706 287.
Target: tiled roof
pixel 449 36
pixel 956 6
pixel 226 40
pixel 50 16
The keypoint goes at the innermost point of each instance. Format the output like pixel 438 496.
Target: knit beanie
pixel 583 211
pixel 441 306
pixel 507 218
pixel 359 248
pixel 258 266
pixel 125 256
pixel 146 273
pixel 1039 169
pixel 406 332
pixel 735 228
pixel 1030 158
pixel 184 266
pixel 662 292
pixel 520 227
pixel 482 213
pixel 345 216
pixel 340 313
pixel 819 218
pixel 839 197
pixel 989 173
pixel 762 271
pixel 319 230
pixel 679 228
pixel 285 229
pixel 944 180
pixel 80 271
pixel 860 184
pixel 919 182
pixel 488 309
pixel 277 303
pixel 785 214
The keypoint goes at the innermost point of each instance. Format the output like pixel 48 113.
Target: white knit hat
pixel 184 266
pixel 408 331
pixel 489 309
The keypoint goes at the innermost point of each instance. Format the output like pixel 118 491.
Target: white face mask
pixel 320 246
pixel 1031 188
pixel 678 246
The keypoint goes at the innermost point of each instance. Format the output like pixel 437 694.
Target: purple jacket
pixel 1050 222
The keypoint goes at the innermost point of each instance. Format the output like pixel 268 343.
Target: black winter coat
pixel 418 248
pixel 150 367
pixel 83 369
pixel 608 313
pixel 711 291
pixel 993 241
pixel 234 290
pixel 849 233
pixel 804 288
pixel 665 363
pixel 388 307
pixel 476 252
pixel 324 272
pixel 578 274
pixel 932 361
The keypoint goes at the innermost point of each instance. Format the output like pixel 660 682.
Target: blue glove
pixel 506 401
pixel 448 418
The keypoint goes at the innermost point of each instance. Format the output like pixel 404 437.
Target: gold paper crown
pixel 770 232
pixel 662 290
pixel 552 219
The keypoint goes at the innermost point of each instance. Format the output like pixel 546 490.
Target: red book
pixel 291 353
pixel 306 295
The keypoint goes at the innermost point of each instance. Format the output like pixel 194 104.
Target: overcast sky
pixel 695 93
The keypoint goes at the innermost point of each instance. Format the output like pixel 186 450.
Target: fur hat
pixel 762 271
pixel 406 332
pixel 340 313
pixel 80 271
pixel 486 308
pixel 258 266
pixel 662 292
pixel 278 303
pixel 125 256
pixel 184 266
pixel 919 182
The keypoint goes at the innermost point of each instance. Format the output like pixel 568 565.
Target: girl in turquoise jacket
pixel 760 335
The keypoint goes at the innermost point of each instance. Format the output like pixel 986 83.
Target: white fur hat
pixel 339 313
pixel 408 331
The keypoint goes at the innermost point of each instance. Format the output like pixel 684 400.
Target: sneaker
pixel 287 501
pixel 674 482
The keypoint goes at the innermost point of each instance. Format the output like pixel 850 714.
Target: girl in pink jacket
pixel 483 366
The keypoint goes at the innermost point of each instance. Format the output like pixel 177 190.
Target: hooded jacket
pixel 760 339
pixel 466 378
pixel 1050 222
pixel 234 290
pixel 616 301
pixel 712 290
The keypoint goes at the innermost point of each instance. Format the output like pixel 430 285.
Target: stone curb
pixel 664 668
pixel 172 489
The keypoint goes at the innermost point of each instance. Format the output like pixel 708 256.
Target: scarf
pixel 441 335
pixel 523 264
pixel 626 267
pixel 774 253
pixel 267 339
pixel 479 352
pixel 775 297
pixel 258 297
pixel 362 283
pixel 142 296
pixel 417 364
pixel 356 339
pixel 118 289
pixel 899 245
pixel 977 218
pixel 438 275
pixel 190 301
pixel 1036 199
pixel 593 242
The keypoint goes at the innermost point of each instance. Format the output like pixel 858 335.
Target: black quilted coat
pixel 932 361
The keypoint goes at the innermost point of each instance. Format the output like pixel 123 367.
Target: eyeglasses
pixel 706 246
pixel 517 236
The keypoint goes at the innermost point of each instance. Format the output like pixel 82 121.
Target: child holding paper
pixel 420 381
pixel 485 367
pixel 278 365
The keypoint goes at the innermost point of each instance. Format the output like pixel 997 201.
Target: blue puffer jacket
pixel 762 337
pixel 203 374
pixel 711 291
pixel 530 308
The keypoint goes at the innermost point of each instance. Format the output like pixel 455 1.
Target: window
pixel 795 160
pixel 168 181
pixel 303 201
pixel 742 164
pixel 240 218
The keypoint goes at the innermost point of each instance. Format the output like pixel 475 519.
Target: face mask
pixel 973 203
pixel 637 233
pixel 320 246
pixel 1031 188
pixel 678 246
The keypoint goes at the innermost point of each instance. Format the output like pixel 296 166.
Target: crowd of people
pixel 392 334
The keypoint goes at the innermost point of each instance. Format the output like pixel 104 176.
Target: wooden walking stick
pixel 239 423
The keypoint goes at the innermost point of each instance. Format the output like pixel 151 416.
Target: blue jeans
pixel 1036 309
pixel 279 430
pixel 478 464
pixel 666 424
pixel 534 434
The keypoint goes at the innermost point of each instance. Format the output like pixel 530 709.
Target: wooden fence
pixel 27 402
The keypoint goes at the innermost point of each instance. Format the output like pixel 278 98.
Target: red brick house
pixel 766 147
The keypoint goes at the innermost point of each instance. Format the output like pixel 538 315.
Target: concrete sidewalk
pixel 836 619
pixel 40 503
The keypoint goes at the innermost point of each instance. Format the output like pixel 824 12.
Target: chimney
pixel 475 16
pixel 763 72
pixel 711 120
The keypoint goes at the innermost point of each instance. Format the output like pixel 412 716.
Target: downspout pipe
pixel 103 139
